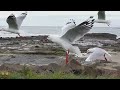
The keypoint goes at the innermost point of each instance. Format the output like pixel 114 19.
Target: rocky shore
pixel 43 55
pixel 40 44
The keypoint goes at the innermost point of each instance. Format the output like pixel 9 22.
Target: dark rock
pixel 12 56
pixel 36 46
pixel 11 67
pixel 100 36
pixel 90 70
pixel 73 67
pixel 53 67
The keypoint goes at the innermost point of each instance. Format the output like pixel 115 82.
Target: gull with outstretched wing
pixel 14 23
pixel 71 33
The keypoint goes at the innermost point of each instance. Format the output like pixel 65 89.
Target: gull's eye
pixel 11 16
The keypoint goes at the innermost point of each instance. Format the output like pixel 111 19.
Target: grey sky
pixel 58 18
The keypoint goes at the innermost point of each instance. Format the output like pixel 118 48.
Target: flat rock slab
pixel 30 59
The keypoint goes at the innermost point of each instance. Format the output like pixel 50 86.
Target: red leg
pixel 67 56
pixel 77 62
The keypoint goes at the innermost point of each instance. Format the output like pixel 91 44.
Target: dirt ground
pixel 35 59
pixel 30 59
pixel 115 56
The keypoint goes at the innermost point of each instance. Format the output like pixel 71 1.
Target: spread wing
pixel 15 22
pixel 20 19
pixel 79 31
pixel 11 20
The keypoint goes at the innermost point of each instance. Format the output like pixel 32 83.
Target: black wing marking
pixel 79 31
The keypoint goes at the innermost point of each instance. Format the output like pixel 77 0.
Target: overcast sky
pixel 58 18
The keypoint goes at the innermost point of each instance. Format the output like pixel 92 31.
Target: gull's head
pixel 71 21
pixel 24 14
pixel 12 16
pixel 91 50
pixel 91 18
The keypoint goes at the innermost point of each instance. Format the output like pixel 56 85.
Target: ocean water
pixel 57 30
pixel 48 30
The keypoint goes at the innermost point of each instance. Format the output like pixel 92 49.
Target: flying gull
pixel 71 33
pixel 102 18
pixel 14 23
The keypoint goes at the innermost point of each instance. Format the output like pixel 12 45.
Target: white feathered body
pixel 98 54
pixel 71 33
pixel 65 45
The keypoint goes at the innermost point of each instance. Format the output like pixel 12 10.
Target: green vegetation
pixel 26 73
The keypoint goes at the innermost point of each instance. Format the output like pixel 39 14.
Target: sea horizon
pixel 48 30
